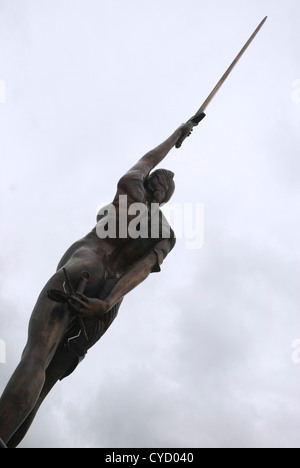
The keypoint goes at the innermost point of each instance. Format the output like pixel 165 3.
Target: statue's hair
pixel 161 184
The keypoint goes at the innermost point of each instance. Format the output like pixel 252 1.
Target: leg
pixel 47 326
pixel 2 444
pixel 59 365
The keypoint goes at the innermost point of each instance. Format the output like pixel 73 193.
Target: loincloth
pixel 83 332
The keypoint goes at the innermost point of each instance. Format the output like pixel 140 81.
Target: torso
pixel 114 256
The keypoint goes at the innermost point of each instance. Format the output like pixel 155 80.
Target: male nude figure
pixel 60 334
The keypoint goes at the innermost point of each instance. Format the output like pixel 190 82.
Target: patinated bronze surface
pixel 81 300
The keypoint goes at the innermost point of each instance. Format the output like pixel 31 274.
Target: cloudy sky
pixel 201 355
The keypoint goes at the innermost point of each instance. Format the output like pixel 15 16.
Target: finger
pixel 82 296
pixel 77 301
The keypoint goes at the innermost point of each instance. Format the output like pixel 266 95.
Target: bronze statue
pixel 82 299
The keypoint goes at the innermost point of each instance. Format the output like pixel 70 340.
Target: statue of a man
pixel 83 297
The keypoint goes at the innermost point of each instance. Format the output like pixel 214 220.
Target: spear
pixel 200 114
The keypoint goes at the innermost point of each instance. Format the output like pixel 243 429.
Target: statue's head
pixel 160 186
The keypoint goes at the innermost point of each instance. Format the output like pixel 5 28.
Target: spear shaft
pixel 200 113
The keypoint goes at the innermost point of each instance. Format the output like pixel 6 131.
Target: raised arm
pixel 151 159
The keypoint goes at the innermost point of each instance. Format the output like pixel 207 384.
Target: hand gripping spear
pixel 200 113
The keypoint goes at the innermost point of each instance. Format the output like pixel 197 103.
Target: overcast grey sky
pixel 201 354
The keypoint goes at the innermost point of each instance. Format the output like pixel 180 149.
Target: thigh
pixel 48 322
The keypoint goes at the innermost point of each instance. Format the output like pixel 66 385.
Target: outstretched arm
pixel 87 307
pixel 132 183
pixel 135 275
pixel 151 159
